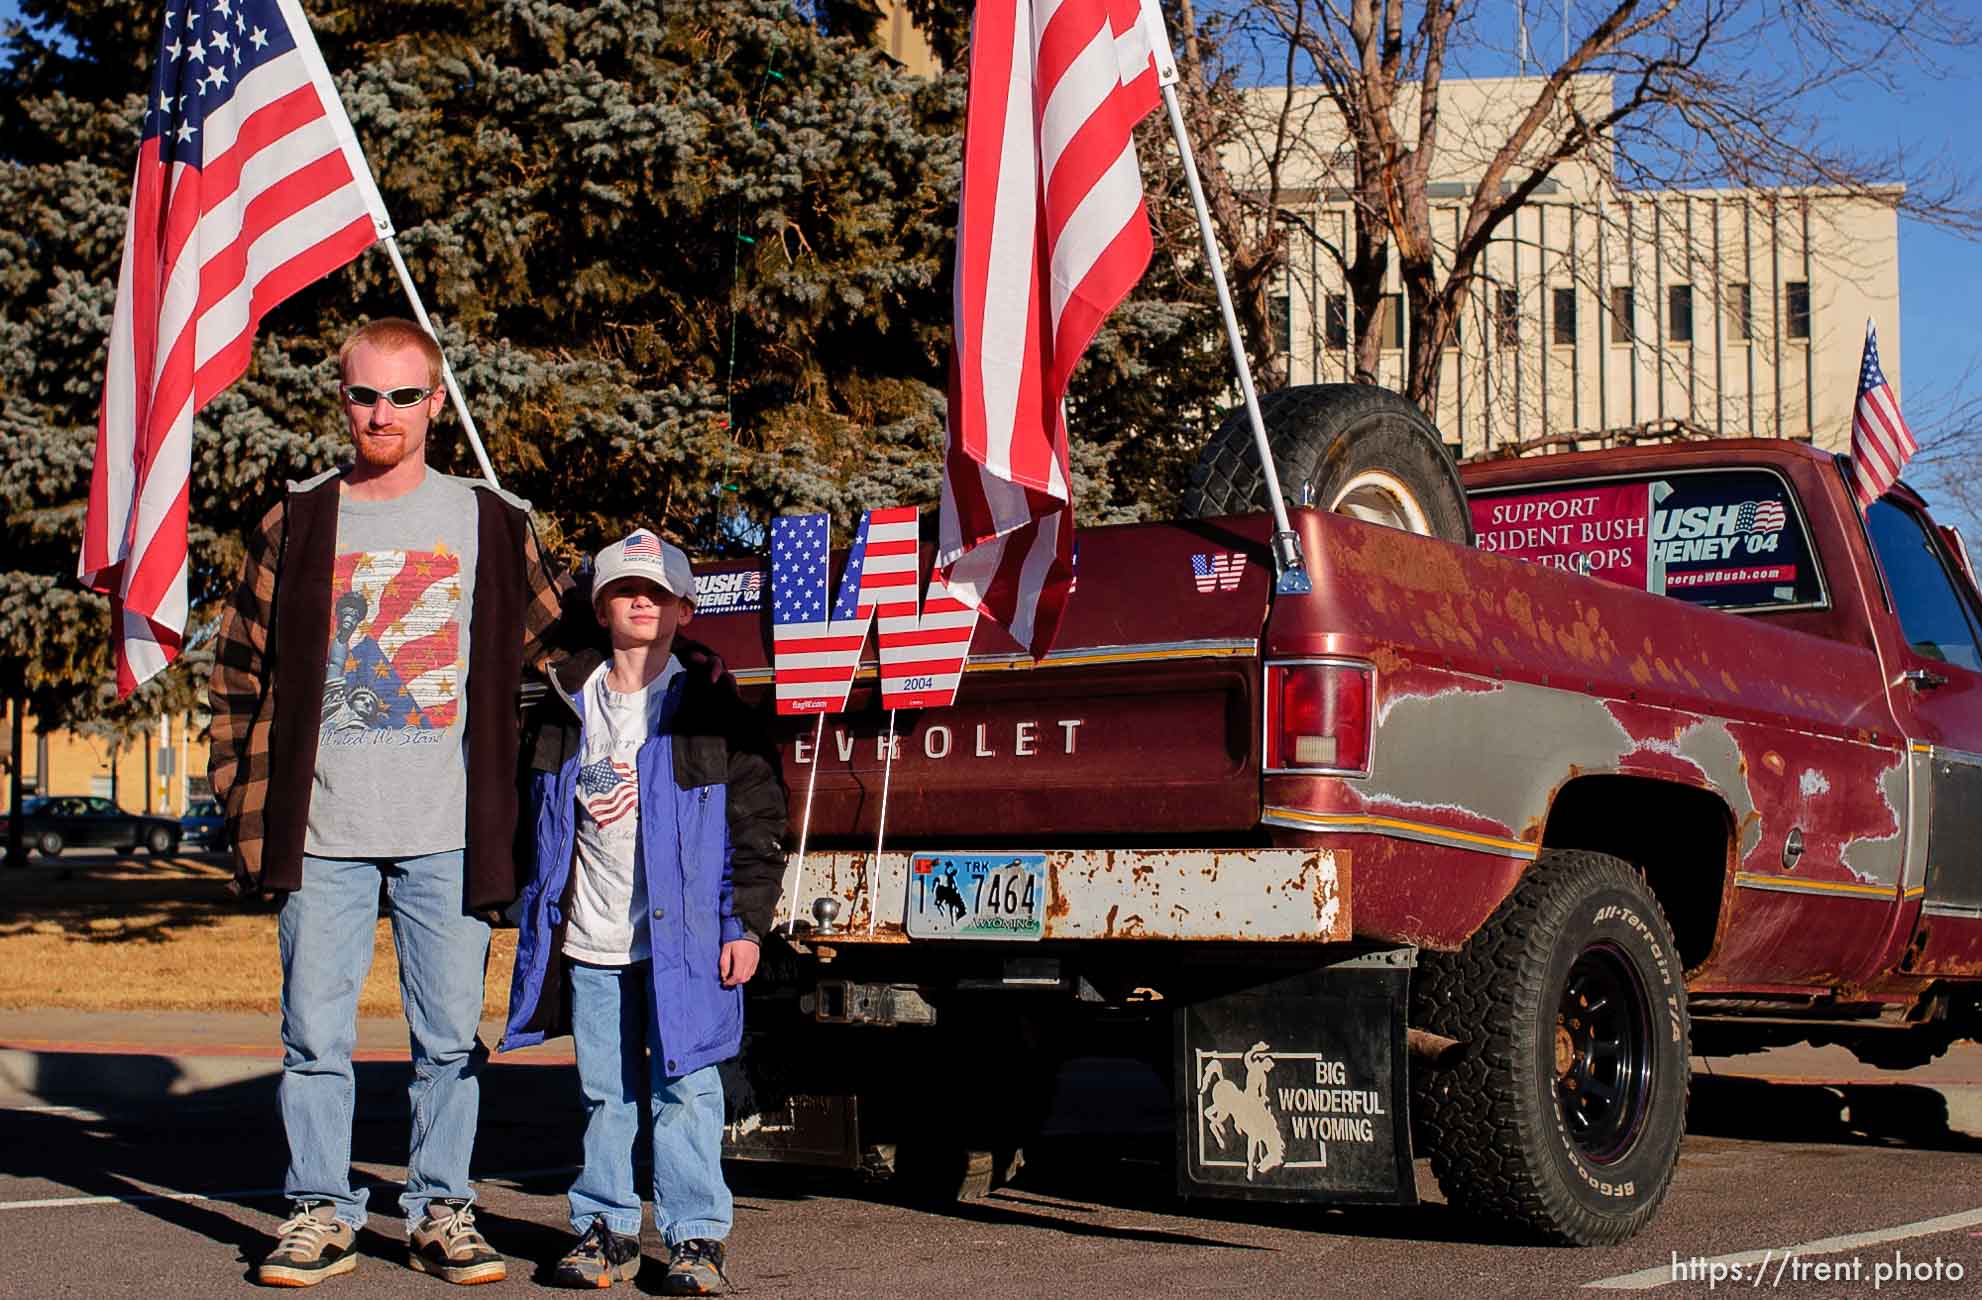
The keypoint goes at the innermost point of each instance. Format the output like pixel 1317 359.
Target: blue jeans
pixel 613 1026
pixel 326 931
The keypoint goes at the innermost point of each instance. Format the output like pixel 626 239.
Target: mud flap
pixel 765 1121
pixel 1298 1089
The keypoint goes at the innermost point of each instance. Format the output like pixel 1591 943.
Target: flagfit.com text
pixel 1787 1268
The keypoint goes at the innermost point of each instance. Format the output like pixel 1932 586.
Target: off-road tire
pixel 159 841
pixel 944 1158
pixel 49 844
pixel 936 1173
pixel 1517 1130
pixel 1333 445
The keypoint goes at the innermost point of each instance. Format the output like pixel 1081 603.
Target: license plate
pixel 976 895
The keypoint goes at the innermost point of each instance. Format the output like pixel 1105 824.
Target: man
pixel 396 765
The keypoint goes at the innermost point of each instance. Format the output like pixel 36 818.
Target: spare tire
pixel 1355 449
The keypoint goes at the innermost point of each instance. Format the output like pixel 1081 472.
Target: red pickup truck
pixel 1464 853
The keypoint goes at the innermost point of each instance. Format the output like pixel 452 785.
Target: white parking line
pixel 72 1202
pixel 250 1194
pixel 1696 1268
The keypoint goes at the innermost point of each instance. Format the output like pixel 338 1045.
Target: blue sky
pixel 1940 347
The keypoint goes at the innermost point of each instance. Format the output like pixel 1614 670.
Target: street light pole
pixel 17 849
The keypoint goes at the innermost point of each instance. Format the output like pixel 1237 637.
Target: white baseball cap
pixel 641 554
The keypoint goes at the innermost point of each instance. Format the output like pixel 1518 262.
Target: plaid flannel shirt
pixel 241 690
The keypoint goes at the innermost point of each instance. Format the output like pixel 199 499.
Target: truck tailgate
pixel 1142 721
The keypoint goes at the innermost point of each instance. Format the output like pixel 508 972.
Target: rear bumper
pixel 1298 895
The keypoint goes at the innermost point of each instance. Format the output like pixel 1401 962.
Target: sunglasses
pixel 359 395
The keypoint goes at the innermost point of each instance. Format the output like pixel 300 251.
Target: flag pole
pixel 391 243
pixel 796 877
pixel 881 831
pixel 1291 574
pixel 361 174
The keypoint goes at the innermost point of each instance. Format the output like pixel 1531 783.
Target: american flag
pixel 610 789
pixel 642 545
pixel 249 185
pixel 406 646
pixel 922 654
pixel 1219 571
pixel 1761 517
pixel 1051 234
pixel 815 646
pixel 1881 444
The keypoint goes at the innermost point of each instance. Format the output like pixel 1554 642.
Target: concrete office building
pixel 1738 312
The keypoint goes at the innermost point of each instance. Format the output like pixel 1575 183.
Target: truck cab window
pixel 1932 612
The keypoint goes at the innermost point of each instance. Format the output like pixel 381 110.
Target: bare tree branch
pixel 1687 107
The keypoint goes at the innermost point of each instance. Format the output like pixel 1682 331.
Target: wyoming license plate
pixel 976 895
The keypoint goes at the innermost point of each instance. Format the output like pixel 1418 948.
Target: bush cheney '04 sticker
pixel 729 593
pixel 1727 539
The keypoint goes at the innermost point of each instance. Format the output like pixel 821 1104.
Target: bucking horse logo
pixel 1246 1111
pixel 948 897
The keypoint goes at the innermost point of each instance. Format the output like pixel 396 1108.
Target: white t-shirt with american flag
pixel 608 898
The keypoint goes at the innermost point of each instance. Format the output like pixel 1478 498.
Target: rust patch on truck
pixel 1587 639
pixel 1521 612
pixel 1058 902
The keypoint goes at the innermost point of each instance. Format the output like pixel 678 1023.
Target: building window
pixel 1622 308
pixel 1679 313
pixel 1507 318
pixel 1338 321
pixel 1740 314
pixel 1796 308
pixel 1281 308
pixel 1565 317
pixel 1390 323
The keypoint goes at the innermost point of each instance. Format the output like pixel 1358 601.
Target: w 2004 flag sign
pixel 817 638
pixel 249 185
pixel 1051 235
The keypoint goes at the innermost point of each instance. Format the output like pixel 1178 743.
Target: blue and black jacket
pixel 712 821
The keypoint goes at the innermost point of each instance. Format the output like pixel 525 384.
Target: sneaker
pixel 447 1244
pixel 598 1257
pixel 313 1245
pixel 696 1268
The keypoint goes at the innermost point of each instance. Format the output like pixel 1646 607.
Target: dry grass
pixel 137 934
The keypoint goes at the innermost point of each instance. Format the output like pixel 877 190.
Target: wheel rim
pixel 1377 497
pixel 1603 1054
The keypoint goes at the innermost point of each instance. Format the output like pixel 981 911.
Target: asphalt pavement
pixel 140 1154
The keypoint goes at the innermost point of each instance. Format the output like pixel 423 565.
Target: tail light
pixel 1318 717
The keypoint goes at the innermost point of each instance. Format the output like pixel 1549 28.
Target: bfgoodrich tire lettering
pixel 1564 1111
pixel 1353 448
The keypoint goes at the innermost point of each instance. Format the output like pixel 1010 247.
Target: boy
pixel 659 814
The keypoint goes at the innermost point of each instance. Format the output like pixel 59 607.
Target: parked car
pixel 204 826
pixel 52 823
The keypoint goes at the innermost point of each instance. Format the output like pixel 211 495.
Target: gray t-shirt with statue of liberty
pixel 391 775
